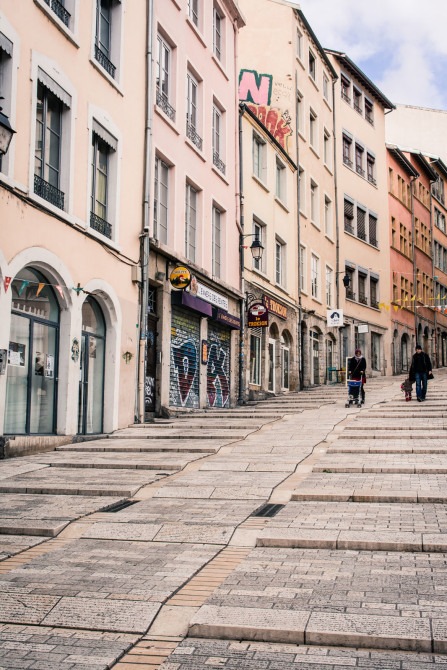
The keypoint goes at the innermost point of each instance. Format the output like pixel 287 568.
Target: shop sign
pixel 180 277
pixel 227 319
pixel 363 328
pixel 257 315
pixel 334 318
pixel 207 294
pixel 275 307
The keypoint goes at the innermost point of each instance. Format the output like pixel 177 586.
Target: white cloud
pixel 411 35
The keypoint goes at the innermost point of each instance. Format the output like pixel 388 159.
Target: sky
pixel 401 45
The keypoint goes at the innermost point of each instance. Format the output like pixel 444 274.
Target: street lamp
pixel 6 133
pixel 346 280
pixel 256 247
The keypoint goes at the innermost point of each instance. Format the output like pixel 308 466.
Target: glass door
pixel 271 385
pixel 91 373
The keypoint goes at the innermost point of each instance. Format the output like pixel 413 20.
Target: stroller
pixel 354 392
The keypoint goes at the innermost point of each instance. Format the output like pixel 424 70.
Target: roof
pixel 423 162
pixel 439 163
pixel 317 43
pixel 402 160
pixel 361 76
pixel 246 110
pixel 236 13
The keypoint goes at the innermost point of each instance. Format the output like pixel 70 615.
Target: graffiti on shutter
pixel 218 368
pixel 185 360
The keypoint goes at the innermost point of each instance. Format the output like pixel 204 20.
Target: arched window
pixel 91 379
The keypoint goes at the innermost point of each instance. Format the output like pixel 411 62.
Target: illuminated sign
pixel 275 307
pixel 180 277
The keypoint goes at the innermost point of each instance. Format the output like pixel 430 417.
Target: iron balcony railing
pixel 104 61
pixel 193 135
pixel 347 161
pixel 350 295
pixel 48 192
pixel 372 180
pixel 363 299
pixel 60 11
pixel 349 228
pixel 370 119
pixel 346 97
pixel 360 170
pixel 164 105
pixel 100 225
pixel 361 235
pixel 373 242
pixel 357 107
pixel 218 162
pixel 374 303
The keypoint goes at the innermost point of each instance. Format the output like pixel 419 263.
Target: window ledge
pixel 102 238
pixel 303 213
pixel 314 83
pixel 62 213
pixel 106 75
pixel 316 225
pixel 330 239
pixel 261 183
pixel 329 169
pixel 196 31
pixel 176 3
pixel 326 102
pixel 260 273
pixel 282 204
pixel 304 292
pixel 300 62
pixel 314 151
pixel 220 66
pixel 281 288
pixel 317 300
pixel 167 120
pixel 220 174
pixel 12 183
pixel 196 150
pixel 60 25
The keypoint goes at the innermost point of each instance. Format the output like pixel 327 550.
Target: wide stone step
pixel 392 428
pixel 423 464
pixel 143 445
pixel 360 434
pixel 160 461
pixel 178 434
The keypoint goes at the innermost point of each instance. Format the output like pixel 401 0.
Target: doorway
pixel 91 374
pixel 272 353
pixel 315 357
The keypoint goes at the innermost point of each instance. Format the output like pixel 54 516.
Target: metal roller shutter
pixel 185 359
pixel 218 368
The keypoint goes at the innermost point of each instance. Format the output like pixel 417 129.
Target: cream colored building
pixel 295 88
pixel 363 218
pixel 71 195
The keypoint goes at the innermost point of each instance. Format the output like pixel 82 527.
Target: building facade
pixel 70 215
pixel 439 253
pixel 362 214
pixel 192 336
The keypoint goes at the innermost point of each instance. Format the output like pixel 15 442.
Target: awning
pixel 104 134
pixel 183 299
pixel 52 86
pixel 5 45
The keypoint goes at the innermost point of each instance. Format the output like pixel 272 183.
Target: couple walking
pixel 420 372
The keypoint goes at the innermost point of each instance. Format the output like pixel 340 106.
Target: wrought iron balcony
pixel 373 242
pixel 48 192
pixel 361 235
pixel 218 162
pixel 357 107
pixel 363 299
pixel 346 97
pixel 60 11
pixel 193 135
pixel 372 180
pixel 100 225
pixel 164 105
pixel 349 228
pixel 360 170
pixel 350 294
pixel 104 61
pixel 370 119
pixel 347 161
pixel 374 303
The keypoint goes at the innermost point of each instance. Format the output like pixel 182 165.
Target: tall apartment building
pixel 70 204
pixel 292 96
pixel 439 232
pixel 360 109
pixel 193 335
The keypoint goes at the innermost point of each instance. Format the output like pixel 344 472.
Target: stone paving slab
pixel 180 510
pixel 181 434
pixel 197 654
pixel 138 532
pixel 26 647
pixel 88 482
pixel 43 528
pixel 170 532
pixel 370 487
pixel 18 467
pixel 37 509
pixel 144 445
pixel 139 461
pixel 414 463
pixel 222 485
pixel 391 446
pixel 10 545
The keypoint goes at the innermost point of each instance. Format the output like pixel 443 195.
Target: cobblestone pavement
pixel 351 572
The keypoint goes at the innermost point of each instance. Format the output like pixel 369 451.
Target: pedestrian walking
pixel 420 372
pixel 357 370
pixel 407 388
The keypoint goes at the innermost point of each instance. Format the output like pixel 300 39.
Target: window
pixel 438 189
pixel 303 268
pixel 325 88
pixel 371 168
pixel 345 89
pixel 373 230
pixel 362 288
pixel 281 175
pixel 193 11
pixel 255 356
pixel 350 293
pixel 217 131
pixel 361 223
pixel 259 157
pixel 285 353
pixel 348 216
pixel 190 222
pixel 393 232
pixel 312 66
pixel 327 216
pixel 357 100
pixel 369 112
pixel 315 276
pixel 161 195
pixel 217 34
pixel 391 179
pixel 327 148
pixel 314 205
pixel 6 50
pixel 106 47
pixel 258 234
pixel 192 115
pixel 313 133
pixel 359 160
pixel 375 351
pixel 347 143
pixel 217 241
pixel 163 77
pixel 100 185
pixel 47 163
pixel 299 44
pixel 329 286
pixel 279 262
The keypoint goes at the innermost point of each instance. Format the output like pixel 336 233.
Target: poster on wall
pixel 49 366
pixel 39 364
pixel 16 354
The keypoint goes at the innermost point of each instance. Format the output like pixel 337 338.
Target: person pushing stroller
pixel 357 371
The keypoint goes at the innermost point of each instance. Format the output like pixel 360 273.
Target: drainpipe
pixel 241 399
pixel 337 227
pixel 412 180
pixel 298 223
pixel 144 237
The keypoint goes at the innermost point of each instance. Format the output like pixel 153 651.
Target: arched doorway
pixel 273 351
pixel 404 352
pixel 426 340
pixel 286 345
pixel 31 383
pixel 91 379
pixel 315 353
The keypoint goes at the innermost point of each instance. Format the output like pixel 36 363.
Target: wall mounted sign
pixel 363 328
pixel 75 350
pixel 257 315
pixel 226 319
pixel 204 352
pixel 275 307
pixel 180 277
pixel 207 294
pixel 334 318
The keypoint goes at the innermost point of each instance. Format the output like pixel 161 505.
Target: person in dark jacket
pixel 420 367
pixel 357 369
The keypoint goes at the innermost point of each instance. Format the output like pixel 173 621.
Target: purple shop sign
pixel 227 319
